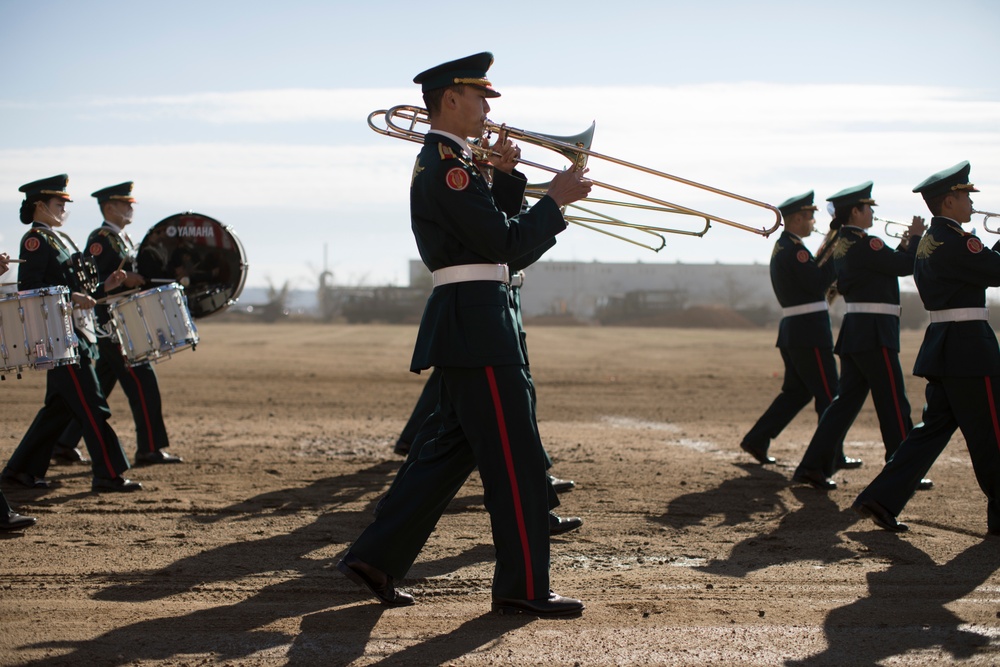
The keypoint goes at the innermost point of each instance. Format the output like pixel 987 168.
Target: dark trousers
pixel 424 424
pixel 71 392
pixel 486 421
pixel 810 375
pixel 873 371
pixel 971 404
pixel 143 392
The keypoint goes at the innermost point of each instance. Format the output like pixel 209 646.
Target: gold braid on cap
pixel 963 186
pixel 473 81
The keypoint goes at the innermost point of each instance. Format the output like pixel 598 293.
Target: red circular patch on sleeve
pixel 876 244
pixel 96 249
pixel 802 256
pixel 32 244
pixel 457 178
pixel 974 245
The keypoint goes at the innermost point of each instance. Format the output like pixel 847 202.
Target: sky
pixel 255 113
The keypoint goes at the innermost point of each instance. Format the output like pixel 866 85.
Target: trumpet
pixel 402 122
pixel 897 230
pixel 986 216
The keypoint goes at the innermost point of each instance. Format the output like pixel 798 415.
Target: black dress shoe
pixel 561 485
pixel 815 479
pixel 402 448
pixel 880 515
pixel 69 455
pixel 847 463
pixel 120 484
pixel 15 521
pixel 757 453
pixel 556 606
pixel 25 479
pixel 925 485
pixel 563 524
pixel 153 458
pixel 378 582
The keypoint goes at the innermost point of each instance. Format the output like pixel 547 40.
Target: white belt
pixel 814 307
pixel 517 280
pixel 959 315
pixel 875 308
pixel 464 273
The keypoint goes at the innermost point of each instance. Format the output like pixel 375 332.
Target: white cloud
pixel 766 141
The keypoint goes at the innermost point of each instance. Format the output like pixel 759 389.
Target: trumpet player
pixel 959 357
pixel 805 339
pixel 868 344
pixel 469 331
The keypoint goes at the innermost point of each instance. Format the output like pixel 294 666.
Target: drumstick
pixel 122 264
pixel 16 261
pixel 115 297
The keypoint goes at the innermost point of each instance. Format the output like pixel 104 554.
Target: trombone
pixel 401 122
pixel 986 216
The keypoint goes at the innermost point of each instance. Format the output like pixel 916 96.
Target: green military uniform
pixel 868 344
pixel 959 358
pixel 469 330
pixel 72 391
pixel 109 248
pixel 805 339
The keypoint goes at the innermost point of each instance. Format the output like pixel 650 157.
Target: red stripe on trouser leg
pixel 895 396
pixel 93 422
pixel 822 375
pixel 509 460
pixel 993 410
pixel 145 410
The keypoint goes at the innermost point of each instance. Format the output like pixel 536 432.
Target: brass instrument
pixel 402 121
pixel 891 228
pixel 986 216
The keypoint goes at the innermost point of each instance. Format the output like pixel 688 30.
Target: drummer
pixel 111 248
pixel 9 519
pixel 72 391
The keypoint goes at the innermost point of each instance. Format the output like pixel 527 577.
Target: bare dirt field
pixel 689 555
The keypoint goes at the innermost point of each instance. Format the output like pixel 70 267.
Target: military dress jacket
pixel 953 270
pixel 108 247
pixel 48 262
pixel 797 279
pixel 456 221
pixel 868 271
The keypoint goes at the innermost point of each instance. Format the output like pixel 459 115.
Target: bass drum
pixel 202 254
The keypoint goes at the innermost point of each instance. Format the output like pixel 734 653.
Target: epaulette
pixel 115 240
pixel 50 237
pixel 446 152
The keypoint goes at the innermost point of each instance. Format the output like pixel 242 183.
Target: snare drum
pixel 152 325
pixel 36 330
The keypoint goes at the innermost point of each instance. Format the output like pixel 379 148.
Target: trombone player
pixel 805 339
pixel 469 330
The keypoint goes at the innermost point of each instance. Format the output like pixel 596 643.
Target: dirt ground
pixel 689 555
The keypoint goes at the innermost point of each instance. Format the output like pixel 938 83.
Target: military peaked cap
pixel 120 192
pixel 53 186
pixel 803 202
pixel 947 180
pixel 858 194
pixel 469 71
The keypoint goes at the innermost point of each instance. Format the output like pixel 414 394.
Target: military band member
pixel 469 331
pixel 72 391
pixel 959 357
pixel 868 344
pixel 805 339
pixel 9 519
pixel 111 247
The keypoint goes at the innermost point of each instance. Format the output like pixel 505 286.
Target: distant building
pixel 583 290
